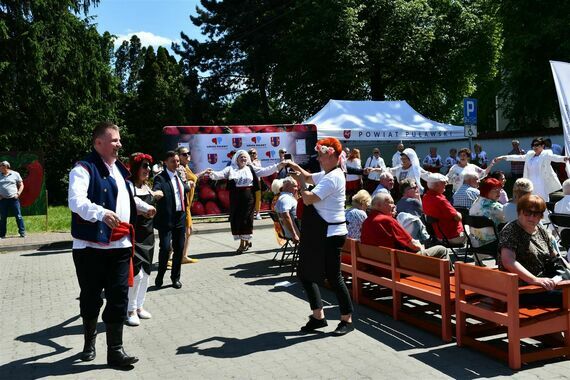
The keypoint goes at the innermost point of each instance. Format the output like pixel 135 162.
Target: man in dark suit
pixel 170 218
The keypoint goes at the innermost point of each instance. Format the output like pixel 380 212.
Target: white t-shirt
pixel 331 189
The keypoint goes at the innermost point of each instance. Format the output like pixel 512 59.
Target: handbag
pixel 554 265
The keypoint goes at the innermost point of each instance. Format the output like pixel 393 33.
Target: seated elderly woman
pixel 522 187
pixel 357 214
pixel 487 205
pixel 526 247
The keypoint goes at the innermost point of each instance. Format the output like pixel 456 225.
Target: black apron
pixel 144 235
pixel 312 253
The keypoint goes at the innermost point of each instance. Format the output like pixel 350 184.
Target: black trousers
pixel 176 236
pixel 99 269
pixel 333 247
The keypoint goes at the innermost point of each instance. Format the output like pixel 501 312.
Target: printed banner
pixel 561 73
pixel 31 168
pixel 214 147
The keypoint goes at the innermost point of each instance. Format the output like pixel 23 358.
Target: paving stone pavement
pixel 228 321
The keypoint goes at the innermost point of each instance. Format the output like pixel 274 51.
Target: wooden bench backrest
pixel 489 282
pixel 418 265
pixel 375 253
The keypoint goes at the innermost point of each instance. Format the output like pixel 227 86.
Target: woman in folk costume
pixel 243 183
pixel 409 168
pixel 537 168
pixel 323 233
pixel 140 166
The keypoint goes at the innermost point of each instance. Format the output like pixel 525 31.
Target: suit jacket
pixel 166 217
pixel 551 182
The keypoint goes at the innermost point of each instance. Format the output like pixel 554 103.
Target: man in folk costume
pixel 103 213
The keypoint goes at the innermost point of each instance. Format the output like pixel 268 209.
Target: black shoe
pixel 116 355
pixel 343 328
pixel 314 323
pixel 158 282
pixel 176 284
pixel 90 336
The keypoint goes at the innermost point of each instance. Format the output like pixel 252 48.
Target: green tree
pixel 534 33
pixel 158 101
pixel 55 83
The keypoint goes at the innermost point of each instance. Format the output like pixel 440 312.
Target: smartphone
pixel 287 156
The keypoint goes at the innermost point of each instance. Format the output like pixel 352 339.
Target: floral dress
pixel 492 210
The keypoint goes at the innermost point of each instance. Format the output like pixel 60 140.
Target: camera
pixel 287 156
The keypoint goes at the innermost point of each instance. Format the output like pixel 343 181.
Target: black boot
pixel 116 355
pixel 90 335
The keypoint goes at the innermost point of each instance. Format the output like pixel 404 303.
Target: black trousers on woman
pixel 333 246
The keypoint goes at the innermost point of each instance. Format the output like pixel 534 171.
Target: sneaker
pixel 133 319
pixel 314 323
pixel 343 328
pixel 258 216
pixel 143 314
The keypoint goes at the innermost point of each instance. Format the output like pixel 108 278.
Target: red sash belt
pixel 119 232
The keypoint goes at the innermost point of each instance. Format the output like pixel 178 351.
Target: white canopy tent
pixel 367 120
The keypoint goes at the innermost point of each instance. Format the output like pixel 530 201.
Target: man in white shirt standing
pixel 375 161
pixel 103 212
pixel 396 157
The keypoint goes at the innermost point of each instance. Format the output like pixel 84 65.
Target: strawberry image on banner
pixel 270 153
pixel 256 139
pixel 212 158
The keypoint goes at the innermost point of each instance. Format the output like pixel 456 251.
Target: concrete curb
pixel 55 244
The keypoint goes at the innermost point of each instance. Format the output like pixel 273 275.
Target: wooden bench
pixel 373 265
pixel 427 279
pixel 496 304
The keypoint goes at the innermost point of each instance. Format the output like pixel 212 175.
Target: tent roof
pixel 360 120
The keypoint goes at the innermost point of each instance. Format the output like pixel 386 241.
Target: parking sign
pixel 470 117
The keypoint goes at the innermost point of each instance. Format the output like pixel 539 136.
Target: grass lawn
pixel 59 220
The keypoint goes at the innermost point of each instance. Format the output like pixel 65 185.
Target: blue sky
pixel 155 22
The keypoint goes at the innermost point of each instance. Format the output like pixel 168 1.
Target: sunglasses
pixel 536 214
pixel 535 145
pixel 145 165
pixel 185 154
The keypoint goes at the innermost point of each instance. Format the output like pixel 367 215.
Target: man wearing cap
pixel 11 187
pixel 381 229
pixel 438 207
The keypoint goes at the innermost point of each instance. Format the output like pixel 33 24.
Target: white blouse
pixel 243 176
